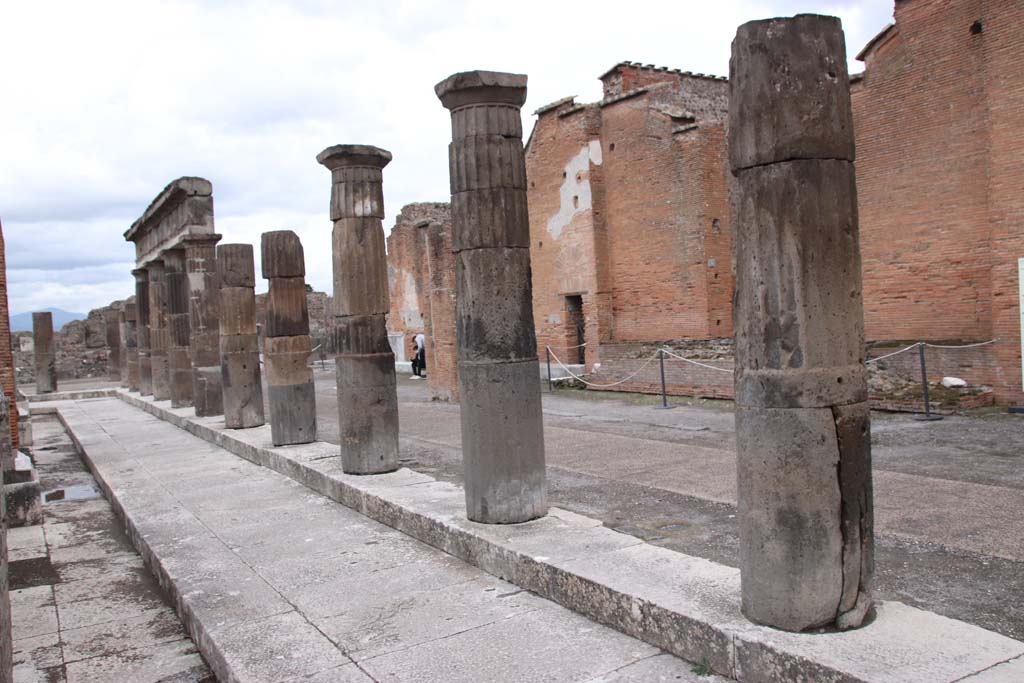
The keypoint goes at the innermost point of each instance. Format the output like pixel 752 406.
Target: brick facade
pixel 7 378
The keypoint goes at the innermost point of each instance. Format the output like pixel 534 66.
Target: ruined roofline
pixel 664 69
pixel 880 38
pixel 555 105
pixel 629 94
pixel 176 190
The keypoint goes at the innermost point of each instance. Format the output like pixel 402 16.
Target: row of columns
pixel 804 473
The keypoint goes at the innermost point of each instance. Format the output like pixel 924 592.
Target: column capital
pixel 346 156
pixel 200 240
pixel 470 88
pixel 141 274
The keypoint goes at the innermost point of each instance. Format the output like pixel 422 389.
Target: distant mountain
pixel 22 322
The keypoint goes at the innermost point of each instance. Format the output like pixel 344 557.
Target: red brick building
pixel 629 214
pixel 7 380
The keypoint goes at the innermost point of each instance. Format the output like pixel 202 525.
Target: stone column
pixel 286 342
pixel 122 366
pixel 802 422
pixel 179 355
pixel 112 329
pixel 6 644
pixel 204 323
pixel 367 393
pixel 442 360
pixel 499 380
pixel 131 345
pixel 239 346
pixel 158 334
pixel 142 335
pixel 45 352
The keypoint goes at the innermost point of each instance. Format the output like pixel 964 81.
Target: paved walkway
pixel 281 584
pixel 84 606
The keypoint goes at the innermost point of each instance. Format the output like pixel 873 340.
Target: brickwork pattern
pixel 7 377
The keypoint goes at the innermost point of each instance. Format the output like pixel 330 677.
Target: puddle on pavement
pixel 71 493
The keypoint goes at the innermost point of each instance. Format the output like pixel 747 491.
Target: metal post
pixel 664 397
pixel 551 385
pixel 924 385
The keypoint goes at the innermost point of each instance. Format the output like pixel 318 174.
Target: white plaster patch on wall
pixel 410 307
pixel 574 194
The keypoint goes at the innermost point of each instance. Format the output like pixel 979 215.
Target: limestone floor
pixel 288 585
pixel 84 607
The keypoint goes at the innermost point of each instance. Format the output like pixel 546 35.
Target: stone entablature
pixel 185 207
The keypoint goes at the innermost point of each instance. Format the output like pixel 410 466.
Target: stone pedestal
pixel 112 330
pixel 367 394
pixel 179 355
pixel 286 342
pixel 239 344
pixel 142 331
pixel 204 323
pixel 502 427
pixel 802 423
pixel 159 336
pixel 131 347
pixel 442 345
pixel 45 352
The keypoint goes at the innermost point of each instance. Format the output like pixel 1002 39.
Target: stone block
pixel 360 267
pixel 359 334
pixel 281 255
pixel 287 314
pixel 235 265
pixel 494 305
pixel 237 311
pixel 367 412
pixel 495 217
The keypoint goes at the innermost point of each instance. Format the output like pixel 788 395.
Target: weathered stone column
pixel 131 345
pixel 6 643
pixel 286 342
pixel 204 323
pixel 442 348
pixel 499 381
pixel 142 336
pixel 159 337
pixel 367 393
pixel 45 352
pixel 179 355
pixel 112 330
pixel 802 422
pixel 239 346
pixel 122 366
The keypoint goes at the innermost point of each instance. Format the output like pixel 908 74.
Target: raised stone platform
pixel 685 605
pixel 277 583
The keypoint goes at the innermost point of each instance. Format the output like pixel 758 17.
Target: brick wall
pixel 7 379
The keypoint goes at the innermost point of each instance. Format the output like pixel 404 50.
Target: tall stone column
pixel 159 337
pixel 142 331
pixel 442 359
pixel 131 345
pixel 204 323
pixel 179 355
pixel 112 331
pixel 802 422
pixel 367 393
pixel 239 345
pixel 6 643
pixel 122 365
pixel 45 352
pixel 499 380
pixel 286 342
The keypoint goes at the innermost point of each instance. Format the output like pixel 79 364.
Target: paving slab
pixel 696 616
pixel 275 582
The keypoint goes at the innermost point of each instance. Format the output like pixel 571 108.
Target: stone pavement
pixel 278 583
pixel 84 606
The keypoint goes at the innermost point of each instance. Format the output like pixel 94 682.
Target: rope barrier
pixel 963 346
pixel 594 384
pixel 894 353
pixel 688 360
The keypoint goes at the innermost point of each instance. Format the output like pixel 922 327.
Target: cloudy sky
pixel 105 102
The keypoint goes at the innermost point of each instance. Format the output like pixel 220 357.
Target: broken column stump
pixel 239 344
pixel 142 331
pixel 179 355
pixel 802 422
pixel 112 332
pixel 367 392
pixel 204 323
pixel 286 342
pixel 131 346
pixel 45 352
pixel 499 380
pixel 158 334
pixel 442 347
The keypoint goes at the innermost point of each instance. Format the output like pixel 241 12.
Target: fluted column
pixel 204 323
pixel 131 345
pixel 142 332
pixel 112 332
pixel 499 380
pixel 802 421
pixel 239 345
pixel 45 352
pixel 159 338
pixel 442 346
pixel 367 396
pixel 179 356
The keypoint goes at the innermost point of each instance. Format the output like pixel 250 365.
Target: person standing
pixel 420 341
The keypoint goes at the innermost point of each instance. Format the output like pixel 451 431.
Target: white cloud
pixel 106 102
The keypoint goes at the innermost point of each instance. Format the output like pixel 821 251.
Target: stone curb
pixel 685 605
pixel 71 395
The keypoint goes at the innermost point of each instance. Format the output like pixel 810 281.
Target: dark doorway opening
pixel 575 328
